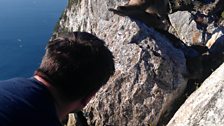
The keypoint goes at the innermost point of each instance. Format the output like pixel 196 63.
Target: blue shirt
pixel 26 102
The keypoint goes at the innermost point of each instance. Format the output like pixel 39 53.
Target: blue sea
pixel 25 28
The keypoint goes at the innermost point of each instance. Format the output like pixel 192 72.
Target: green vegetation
pixel 222 15
pixel 63 16
pixel 72 2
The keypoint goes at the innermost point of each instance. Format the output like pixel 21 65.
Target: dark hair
pixel 76 64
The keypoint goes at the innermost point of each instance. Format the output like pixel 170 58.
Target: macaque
pixel 153 13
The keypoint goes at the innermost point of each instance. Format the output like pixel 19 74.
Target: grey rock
pixel 186 28
pixel 71 120
pixel 146 83
pixel 205 106
pixel 211 28
pixel 209 8
pixel 196 27
pixel 216 42
pixel 149 70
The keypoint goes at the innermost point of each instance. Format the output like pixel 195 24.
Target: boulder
pixel 205 106
pixel 186 28
pixel 217 37
pixel 197 26
pixel 149 70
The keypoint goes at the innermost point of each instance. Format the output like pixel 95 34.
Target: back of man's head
pixel 76 64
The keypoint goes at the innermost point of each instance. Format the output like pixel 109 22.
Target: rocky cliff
pixel 151 69
pixel 205 106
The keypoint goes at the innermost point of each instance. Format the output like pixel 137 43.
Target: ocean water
pixel 25 28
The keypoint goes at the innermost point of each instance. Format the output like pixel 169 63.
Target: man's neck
pixel 62 107
pixel 40 79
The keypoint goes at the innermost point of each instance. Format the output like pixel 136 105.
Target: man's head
pixel 76 64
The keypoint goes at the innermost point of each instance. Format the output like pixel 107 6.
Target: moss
pixel 72 2
pixel 60 29
pixel 63 16
pixel 57 26
pixel 222 15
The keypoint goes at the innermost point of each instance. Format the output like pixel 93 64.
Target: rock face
pixel 192 32
pixel 205 106
pixel 198 26
pixel 149 70
pixel 186 28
